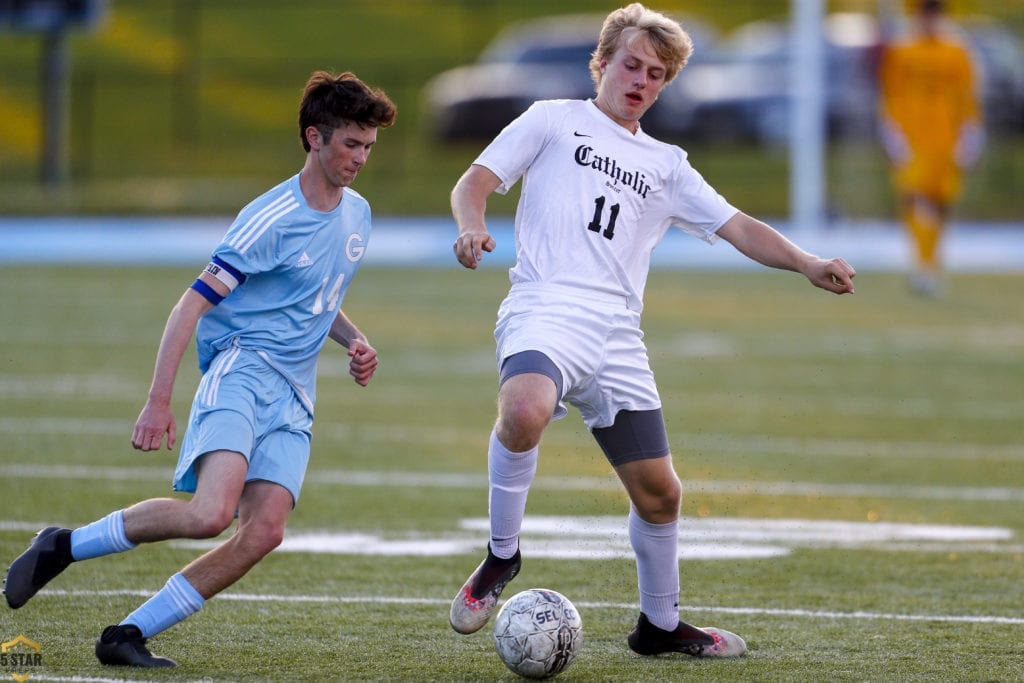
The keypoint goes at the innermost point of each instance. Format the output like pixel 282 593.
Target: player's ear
pixel 313 137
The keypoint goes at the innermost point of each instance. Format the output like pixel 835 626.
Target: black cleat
pixel 47 556
pixel 125 646
pixel 648 639
pixel 477 598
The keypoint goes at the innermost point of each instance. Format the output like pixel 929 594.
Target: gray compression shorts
pixel 635 434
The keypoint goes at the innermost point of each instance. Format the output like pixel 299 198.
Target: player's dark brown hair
pixel 330 101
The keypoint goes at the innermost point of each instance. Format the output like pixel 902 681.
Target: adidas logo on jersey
pixel 304 261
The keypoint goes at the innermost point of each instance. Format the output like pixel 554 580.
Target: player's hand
pixel 154 421
pixel 835 275
pixel 363 363
pixel 969 145
pixel 895 143
pixel 469 248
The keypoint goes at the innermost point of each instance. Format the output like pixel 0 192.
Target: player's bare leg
pixel 525 405
pixel 204 515
pixel 263 510
pixel 656 493
pixel 262 516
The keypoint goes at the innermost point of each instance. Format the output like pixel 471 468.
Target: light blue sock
pixel 175 602
pixel 102 537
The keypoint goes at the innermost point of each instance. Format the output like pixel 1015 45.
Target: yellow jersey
pixel 927 87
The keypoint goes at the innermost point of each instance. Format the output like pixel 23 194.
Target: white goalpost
pixel 807 119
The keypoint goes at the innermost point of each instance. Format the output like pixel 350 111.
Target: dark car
pixel 744 92
pixel 534 60
pixel 1000 58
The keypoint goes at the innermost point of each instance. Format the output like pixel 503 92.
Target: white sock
pixel 657 569
pixel 509 477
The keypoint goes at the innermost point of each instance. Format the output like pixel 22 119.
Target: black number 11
pixel 595 224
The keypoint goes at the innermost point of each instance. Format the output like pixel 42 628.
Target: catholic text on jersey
pixel 635 180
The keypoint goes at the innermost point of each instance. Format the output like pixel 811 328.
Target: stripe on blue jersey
pixel 207 292
pixel 210 384
pixel 263 219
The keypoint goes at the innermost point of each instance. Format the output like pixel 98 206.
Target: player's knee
pixel 660 504
pixel 259 539
pixel 208 520
pixel 663 509
pixel 208 526
pixel 521 424
pixel 519 437
pixel 671 494
pixel 671 500
pixel 272 537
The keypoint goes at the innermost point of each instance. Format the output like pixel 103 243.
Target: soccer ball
pixel 538 633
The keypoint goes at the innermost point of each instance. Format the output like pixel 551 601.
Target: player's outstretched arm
pixel 156 418
pixel 762 243
pixel 469 204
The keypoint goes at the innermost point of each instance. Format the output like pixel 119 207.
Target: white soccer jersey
pixel 596 200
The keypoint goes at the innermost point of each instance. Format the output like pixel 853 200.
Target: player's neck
pixel 319 194
pixel 630 125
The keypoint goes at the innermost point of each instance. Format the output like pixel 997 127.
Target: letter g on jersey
pixel 355 247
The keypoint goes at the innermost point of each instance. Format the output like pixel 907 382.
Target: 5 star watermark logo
pixel 20 657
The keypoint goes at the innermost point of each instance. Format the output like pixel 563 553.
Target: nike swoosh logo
pixel 581 135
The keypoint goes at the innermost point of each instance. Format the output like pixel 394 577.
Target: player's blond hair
pixel 670 42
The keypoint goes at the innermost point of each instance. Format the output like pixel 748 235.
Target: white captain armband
pixel 230 277
pixel 224 272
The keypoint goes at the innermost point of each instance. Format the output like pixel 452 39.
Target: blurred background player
pixel 931 129
pixel 598 195
pixel 261 312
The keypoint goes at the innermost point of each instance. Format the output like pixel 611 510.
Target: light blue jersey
pixel 297 264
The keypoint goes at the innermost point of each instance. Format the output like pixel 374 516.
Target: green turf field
pixel 886 429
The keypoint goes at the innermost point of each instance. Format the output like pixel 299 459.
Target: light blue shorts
pixel 244 405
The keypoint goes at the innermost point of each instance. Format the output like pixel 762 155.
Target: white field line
pixel 603 538
pixel 792 405
pixel 102 387
pixel 97 679
pixel 478 481
pixel 387 600
pixel 700 443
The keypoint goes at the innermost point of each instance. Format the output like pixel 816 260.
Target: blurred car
pixel 1000 58
pixel 534 60
pixel 744 93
